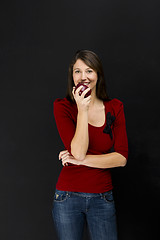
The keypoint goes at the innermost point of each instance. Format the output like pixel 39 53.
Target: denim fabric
pixel 72 209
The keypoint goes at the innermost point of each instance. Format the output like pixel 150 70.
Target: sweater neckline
pixel 98 127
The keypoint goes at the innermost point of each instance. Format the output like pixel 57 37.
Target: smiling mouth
pixel 86 83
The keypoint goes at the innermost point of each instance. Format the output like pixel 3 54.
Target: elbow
pixel 80 158
pixel 77 156
pixel 124 162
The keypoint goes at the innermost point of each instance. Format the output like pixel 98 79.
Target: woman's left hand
pixel 66 158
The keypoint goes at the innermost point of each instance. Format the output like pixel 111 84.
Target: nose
pixel 83 76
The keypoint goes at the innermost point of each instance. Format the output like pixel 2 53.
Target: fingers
pixel 85 91
pixel 65 162
pixel 82 101
pixel 73 90
pixel 67 158
pixel 63 153
pixel 87 99
pixel 63 156
pixel 76 93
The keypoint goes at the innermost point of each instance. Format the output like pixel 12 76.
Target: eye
pixel 89 71
pixel 77 71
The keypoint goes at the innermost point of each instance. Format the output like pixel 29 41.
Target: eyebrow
pixel 79 68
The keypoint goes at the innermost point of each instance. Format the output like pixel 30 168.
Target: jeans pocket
pixel 60 196
pixel 108 196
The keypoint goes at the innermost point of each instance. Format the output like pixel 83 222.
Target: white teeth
pixel 86 83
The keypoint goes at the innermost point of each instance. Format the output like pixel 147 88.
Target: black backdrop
pixel 38 40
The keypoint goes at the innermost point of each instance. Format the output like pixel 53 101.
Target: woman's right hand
pixel 81 101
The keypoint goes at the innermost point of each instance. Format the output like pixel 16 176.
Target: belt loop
pixel 68 193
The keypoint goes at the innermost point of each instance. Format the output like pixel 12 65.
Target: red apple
pixel 82 89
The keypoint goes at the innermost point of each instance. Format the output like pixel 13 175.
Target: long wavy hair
pixel 92 61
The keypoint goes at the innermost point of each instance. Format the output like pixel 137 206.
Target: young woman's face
pixel 84 74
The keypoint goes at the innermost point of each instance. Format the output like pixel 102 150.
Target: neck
pixel 94 99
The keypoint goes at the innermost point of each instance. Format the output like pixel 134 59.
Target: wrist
pixel 82 115
pixel 82 110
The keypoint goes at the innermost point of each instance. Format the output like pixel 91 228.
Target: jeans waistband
pixel 83 194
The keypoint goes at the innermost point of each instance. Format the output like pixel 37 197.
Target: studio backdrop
pixel 38 40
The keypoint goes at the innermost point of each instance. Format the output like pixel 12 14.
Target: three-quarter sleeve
pixel 64 121
pixel 119 129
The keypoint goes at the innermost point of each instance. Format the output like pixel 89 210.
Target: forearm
pixel 109 160
pixel 80 141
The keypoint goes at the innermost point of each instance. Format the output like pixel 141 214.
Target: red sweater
pixel 82 178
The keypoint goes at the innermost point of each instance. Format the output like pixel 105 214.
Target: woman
pixel 94 135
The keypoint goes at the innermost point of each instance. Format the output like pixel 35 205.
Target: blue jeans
pixel 72 209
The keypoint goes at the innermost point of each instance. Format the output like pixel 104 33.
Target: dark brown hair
pixel 93 61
